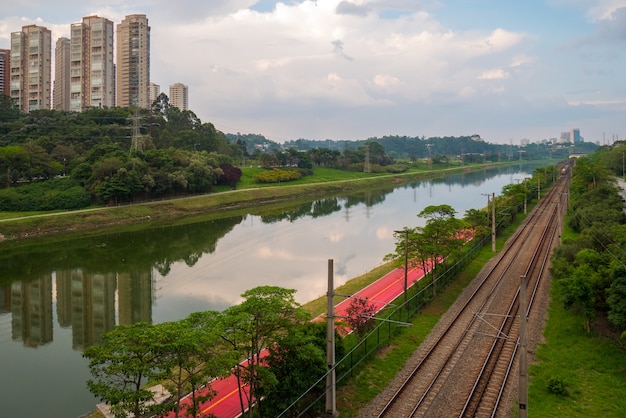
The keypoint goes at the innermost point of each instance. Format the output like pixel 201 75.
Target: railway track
pixel 465 369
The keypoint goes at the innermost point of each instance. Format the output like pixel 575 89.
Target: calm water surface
pixel 57 299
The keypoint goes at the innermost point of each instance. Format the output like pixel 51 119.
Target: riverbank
pixel 184 210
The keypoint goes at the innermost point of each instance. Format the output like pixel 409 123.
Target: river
pixel 58 298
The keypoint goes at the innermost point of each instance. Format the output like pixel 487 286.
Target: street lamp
pixel 406 259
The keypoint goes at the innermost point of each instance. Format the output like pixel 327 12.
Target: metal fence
pixel 311 403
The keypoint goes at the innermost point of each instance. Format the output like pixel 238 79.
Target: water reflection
pixel 106 280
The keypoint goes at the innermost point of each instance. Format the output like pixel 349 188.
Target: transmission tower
pixel 136 138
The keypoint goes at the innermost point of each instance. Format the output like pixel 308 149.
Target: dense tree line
pixel 115 155
pixel 591 266
pixel 469 148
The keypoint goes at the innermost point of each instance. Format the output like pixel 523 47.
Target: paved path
pixel 226 404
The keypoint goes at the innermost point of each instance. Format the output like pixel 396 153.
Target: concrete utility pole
pixel 523 365
pixel 406 261
pixel 538 187
pixel 518 180
pixel 493 222
pixel 493 219
pixel 488 207
pixel 367 165
pixel 331 382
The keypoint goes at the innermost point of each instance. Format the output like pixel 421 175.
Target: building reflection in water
pixel 31 311
pixel 85 301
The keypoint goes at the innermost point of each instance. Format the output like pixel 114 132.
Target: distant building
pixel 133 62
pixel 5 66
pixel 179 96
pixel 61 89
pixel 574 136
pixel 154 91
pixel 564 138
pixel 31 72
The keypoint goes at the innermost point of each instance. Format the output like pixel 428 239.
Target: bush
pixel 556 386
pixel 397 168
pixel 45 196
pixel 230 175
pixel 277 175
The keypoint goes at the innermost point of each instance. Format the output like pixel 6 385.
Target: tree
pixel 440 235
pixel 297 361
pixel 264 317
pixel 617 298
pixel 360 315
pixel 230 175
pixel 193 355
pixel 578 290
pixel 127 358
pixel 587 174
pixel 477 219
pixel 161 104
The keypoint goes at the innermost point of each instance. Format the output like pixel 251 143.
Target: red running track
pixel 383 291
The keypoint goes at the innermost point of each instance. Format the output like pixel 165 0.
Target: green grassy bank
pixel 248 198
pixel 589 368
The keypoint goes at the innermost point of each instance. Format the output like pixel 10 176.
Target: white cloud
pixel 496 74
pixel 351 69
pixel 604 9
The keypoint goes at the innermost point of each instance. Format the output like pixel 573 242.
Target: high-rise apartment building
pixel 133 62
pixel 31 72
pixel 5 69
pixel 91 68
pixel 179 96
pixel 61 89
pixel 154 91
pixel 574 135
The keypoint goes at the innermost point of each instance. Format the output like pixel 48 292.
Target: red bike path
pixel 226 403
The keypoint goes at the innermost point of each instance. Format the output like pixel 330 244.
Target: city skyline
pixel 331 69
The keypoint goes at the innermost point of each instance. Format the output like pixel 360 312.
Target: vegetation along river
pixel 57 298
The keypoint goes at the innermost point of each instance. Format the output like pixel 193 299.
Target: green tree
pixel 617 298
pixel 193 355
pixel 14 161
pixel 265 316
pixel 127 358
pixel 441 237
pixel 297 361
pixel 587 174
pixel 578 290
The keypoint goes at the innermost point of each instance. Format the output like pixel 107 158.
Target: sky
pixel 355 69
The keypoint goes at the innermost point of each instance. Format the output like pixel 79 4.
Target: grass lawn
pixel 592 368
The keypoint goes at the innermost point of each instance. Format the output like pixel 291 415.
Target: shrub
pixel 230 175
pixel 277 175
pixel 397 168
pixel 49 195
pixel 556 386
